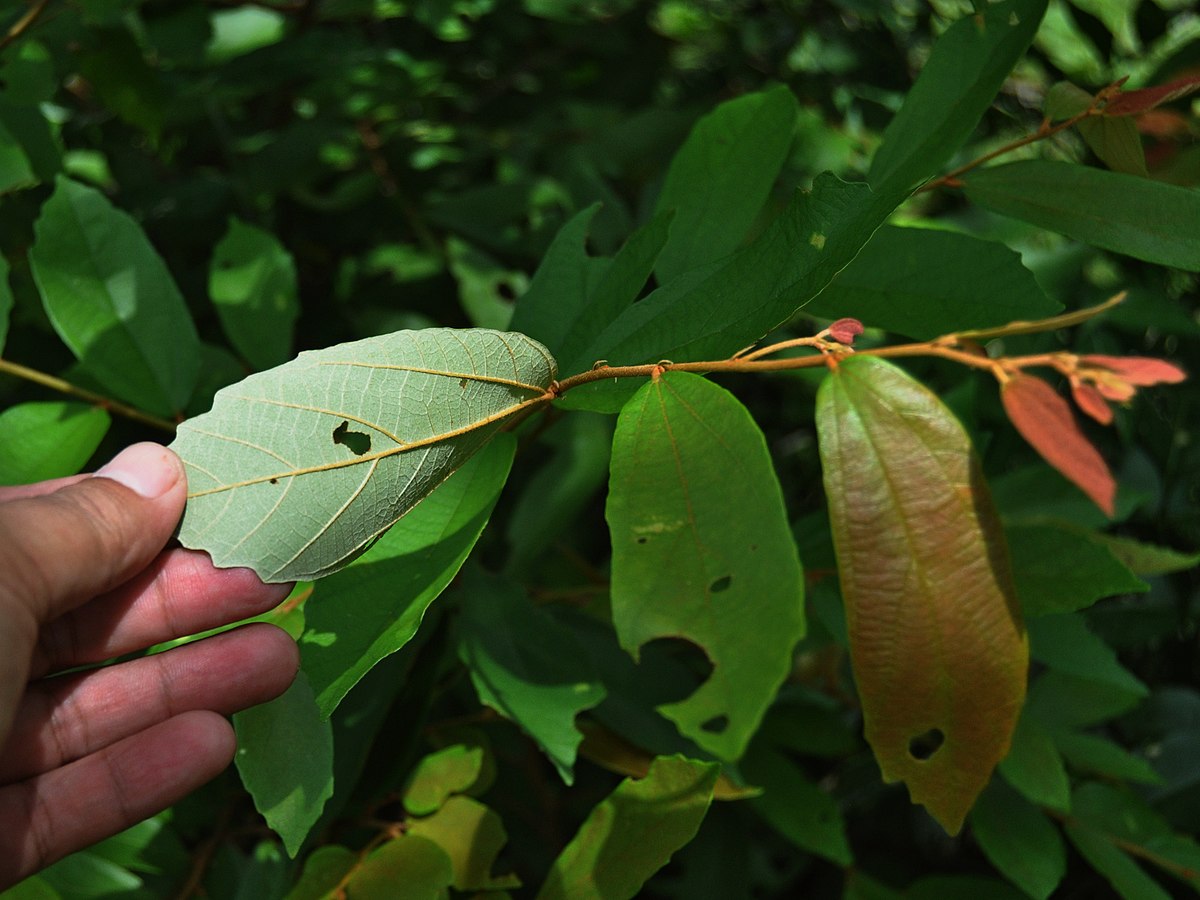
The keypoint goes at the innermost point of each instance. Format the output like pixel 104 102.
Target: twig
pixel 65 387
pixel 24 23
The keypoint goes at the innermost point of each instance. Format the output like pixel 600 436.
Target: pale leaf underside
pixel 296 470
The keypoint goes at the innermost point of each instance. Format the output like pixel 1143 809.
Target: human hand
pixel 84 578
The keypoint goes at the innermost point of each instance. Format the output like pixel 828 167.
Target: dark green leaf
pixel 958 82
pixel 1060 569
pixel 1123 213
pixel 1064 642
pixel 6 301
pixel 1147 559
pixel 485 288
pixel 798 809
pixel 702 551
pixel 1060 700
pixel 119 74
pixel 526 665
pixel 1019 840
pixel 632 834
pixel 394 583
pixel 112 300
pixel 1035 767
pixel 692 318
pixel 1117 142
pixel 15 170
pixel 285 758
pixel 252 283
pixel 42 440
pixel 721 176
pixel 1100 756
pixel 924 283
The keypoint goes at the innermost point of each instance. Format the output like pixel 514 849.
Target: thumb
pixel 62 548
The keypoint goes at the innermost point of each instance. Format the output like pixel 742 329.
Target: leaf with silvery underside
pixel 296 470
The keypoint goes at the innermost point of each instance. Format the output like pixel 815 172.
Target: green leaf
pixel 526 665
pixel 395 582
pixel 323 872
pixel 472 836
pixel 1123 213
pixel 924 283
pixel 1107 822
pixel 15 169
pixel 296 470
pixel 936 641
pixel 117 71
pixel 721 176
pixel 1034 765
pixel 692 318
pixel 1117 142
pixel 43 440
pixel 6 301
pixel 485 288
pixel 631 835
pixel 1100 756
pixel 1060 700
pixel 418 863
pixel 1019 840
pixel 957 84
pixel 1064 642
pixel 439 775
pixel 112 300
pixel 252 283
pixel 36 887
pixel 1148 559
pixel 285 758
pixel 554 497
pixel 702 551
pixel 1059 569
pixel 794 806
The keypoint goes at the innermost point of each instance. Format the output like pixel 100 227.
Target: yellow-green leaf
pixel 296 470
pixel 936 640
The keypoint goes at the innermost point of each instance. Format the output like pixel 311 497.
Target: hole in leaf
pixel 924 745
pixel 715 725
pixel 506 291
pixel 670 669
pixel 356 442
pixel 274 481
pixel 720 584
pixel 642 539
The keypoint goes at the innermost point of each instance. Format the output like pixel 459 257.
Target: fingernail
pixel 149 469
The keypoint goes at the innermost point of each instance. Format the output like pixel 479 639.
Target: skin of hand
pixel 84 577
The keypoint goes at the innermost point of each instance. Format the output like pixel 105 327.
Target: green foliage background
pixel 324 170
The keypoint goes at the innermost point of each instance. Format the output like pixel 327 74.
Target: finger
pixel 180 593
pixel 83 539
pixel 64 719
pixel 38 488
pixel 46 817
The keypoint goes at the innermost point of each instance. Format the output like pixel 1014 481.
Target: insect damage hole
pixel 721 584
pixel 922 746
pixel 357 442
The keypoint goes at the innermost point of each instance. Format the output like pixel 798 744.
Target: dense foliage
pixel 833 617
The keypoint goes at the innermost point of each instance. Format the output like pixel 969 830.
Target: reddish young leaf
pixel 844 331
pixel 1044 419
pixel 1137 370
pixel 1092 402
pixel 1130 103
pixel 936 639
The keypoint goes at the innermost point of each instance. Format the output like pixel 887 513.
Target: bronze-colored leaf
pixel 1044 419
pixel 936 640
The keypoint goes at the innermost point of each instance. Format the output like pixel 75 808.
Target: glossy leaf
pixel 729 163
pixel 439 775
pixel 1019 840
pixel 1044 419
pixel 691 317
pixel 285 758
pixel 1059 569
pixel 252 283
pixel 534 674
pixel 472 836
pixel 957 84
pixel 924 283
pixel 936 640
pixel 295 471
pixel 394 583
pixel 702 551
pixel 633 833
pixel 112 300
pixel 1123 213
pixel 42 440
